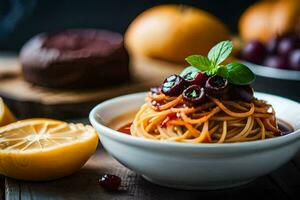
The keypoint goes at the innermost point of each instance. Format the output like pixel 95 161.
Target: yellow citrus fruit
pixel 6 116
pixel 44 149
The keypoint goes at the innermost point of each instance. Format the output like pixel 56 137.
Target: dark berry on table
pixel 155 90
pixel 173 85
pixel 294 60
pixel 196 78
pixel 241 92
pixel 287 44
pixel 254 51
pixel 110 182
pixel 216 86
pixel 279 62
pixel 193 95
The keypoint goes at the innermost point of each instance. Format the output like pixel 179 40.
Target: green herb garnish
pixel 234 72
pixel 193 94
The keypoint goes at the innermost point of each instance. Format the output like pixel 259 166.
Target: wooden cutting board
pixel 27 100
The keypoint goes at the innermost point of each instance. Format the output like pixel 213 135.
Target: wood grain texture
pixel 281 184
pixel 288 179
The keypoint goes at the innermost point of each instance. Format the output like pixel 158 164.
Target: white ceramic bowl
pixel 196 166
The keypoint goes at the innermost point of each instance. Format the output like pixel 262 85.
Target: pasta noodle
pixel 216 121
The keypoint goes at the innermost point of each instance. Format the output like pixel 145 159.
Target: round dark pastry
pixel 75 59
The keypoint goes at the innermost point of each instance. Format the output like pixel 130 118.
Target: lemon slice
pixel 6 116
pixel 44 149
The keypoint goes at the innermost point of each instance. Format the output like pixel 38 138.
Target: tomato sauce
pixel 125 129
pixel 284 127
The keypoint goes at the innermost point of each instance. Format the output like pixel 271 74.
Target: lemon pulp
pixel 44 149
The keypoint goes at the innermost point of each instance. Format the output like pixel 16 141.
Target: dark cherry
pixel 155 90
pixel 254 51
pixel 196 78
pixel 294 60
pixel 279 62
pixel 287 44
pixel 216 86
pixel 110 182
pixel 241 92
pixel 193 95
pixel 173 85
pixel 272 45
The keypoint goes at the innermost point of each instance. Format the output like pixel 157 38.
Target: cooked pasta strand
pixel 215 121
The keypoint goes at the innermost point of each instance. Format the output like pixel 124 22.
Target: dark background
pixel 21 19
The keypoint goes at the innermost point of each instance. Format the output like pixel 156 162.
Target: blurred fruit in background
pixel 254 51
pixel 270 45
pixel 281 52
pixel 266 19
pixel 172 32
pixel 6 116
pixel 276 62
pixel 294 59
pixel 75 58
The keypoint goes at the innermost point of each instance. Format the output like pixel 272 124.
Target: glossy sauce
pixel 125 129
pixel 284 127
pixel 123 122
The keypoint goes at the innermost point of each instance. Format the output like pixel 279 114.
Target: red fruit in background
pixel 254 51
pixel 294 60
pixel 288 44
pixel 272 45
pixel 278 62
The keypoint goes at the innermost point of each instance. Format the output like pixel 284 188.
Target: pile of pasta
pixel 215 121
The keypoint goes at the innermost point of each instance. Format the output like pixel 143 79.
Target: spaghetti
pixel 216 121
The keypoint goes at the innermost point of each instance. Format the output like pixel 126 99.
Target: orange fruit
pixel 44 149
pixel 172 32
pixel 266 19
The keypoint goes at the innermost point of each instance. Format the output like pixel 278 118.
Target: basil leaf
pixel 212 71
pixel 222 71
pixel 200 62
pixel 188 70
pixel 239 74
pixel 220 52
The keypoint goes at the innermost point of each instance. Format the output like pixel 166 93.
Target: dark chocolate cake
pixel 75 59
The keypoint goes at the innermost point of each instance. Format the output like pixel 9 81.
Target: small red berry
pixel 110 182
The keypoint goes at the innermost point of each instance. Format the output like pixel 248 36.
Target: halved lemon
pixel 6 116
pixel 44 149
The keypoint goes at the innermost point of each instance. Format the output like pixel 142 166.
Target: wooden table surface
pixel 283 183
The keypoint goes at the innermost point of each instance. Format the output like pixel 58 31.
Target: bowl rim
pixel 265 71
pixel 116 135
